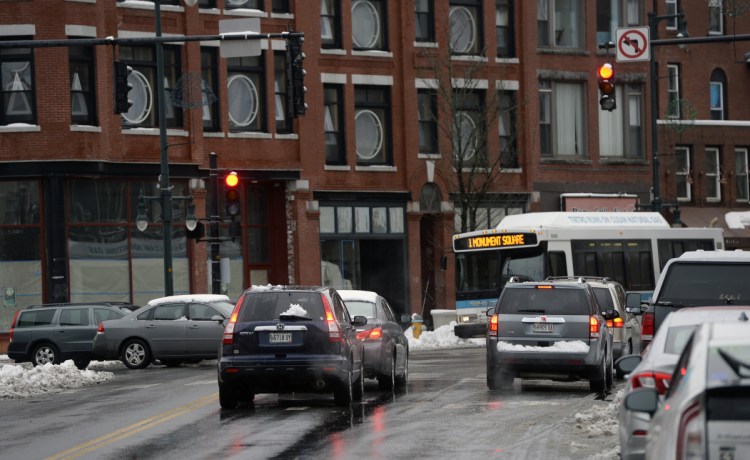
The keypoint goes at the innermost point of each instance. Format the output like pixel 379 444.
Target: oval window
pixel 142 97
pixel 464 144
pixel 243 100
pixel 463 30
pixel 365 24
pixel 369 132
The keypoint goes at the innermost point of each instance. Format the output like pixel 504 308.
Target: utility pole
pixel 214 219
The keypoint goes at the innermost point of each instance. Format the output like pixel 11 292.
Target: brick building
pixel 361 191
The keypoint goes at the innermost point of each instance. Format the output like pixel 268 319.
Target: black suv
pixel 290 339
pixel 552 329
pixel 53 333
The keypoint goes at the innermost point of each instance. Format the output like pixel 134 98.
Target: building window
pixel 713 174
pixel 144 111
pixel 330 23
pixel 562 118
pixel 207 3
pixel 741 172
pixel 465 27
pixel 621 130
pixel 683 174
pixel 670 9
pixel 424 13
pixel 210 89
pixel 469 130
pixel 560 23
pixel 486 215
pixel 717 90
pixel 504 36
pixel 715 21
pixel 611 14
pixel 17 90
pixel 283 121
pixel 369 20
pixel 82 89
pixel 372 125
pixel 673 91
pixel 428 127
pixel 245 93
pixel 245 4
pixel 507 130
pixel 333 127
pixel 280 6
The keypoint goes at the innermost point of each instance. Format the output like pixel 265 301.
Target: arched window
pixel 718 91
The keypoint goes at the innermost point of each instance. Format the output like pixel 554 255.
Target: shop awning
pixel 733 221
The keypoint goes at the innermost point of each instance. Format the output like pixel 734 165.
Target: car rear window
pixel 268 306
pixel 361 308
pixel 604 298
pixel 33 318
pixel 555 301
pixel 677 337
pixel 706 284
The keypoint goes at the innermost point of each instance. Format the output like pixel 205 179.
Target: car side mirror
pixel 359 321
pixel 626 364
pixel 217 318
pixel 405 319
pixel 643 400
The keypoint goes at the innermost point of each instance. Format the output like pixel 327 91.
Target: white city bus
pixel 628 247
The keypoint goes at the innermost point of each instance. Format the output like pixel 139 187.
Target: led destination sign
pixel 493 241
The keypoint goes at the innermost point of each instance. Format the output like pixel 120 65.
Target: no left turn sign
pixel 632 44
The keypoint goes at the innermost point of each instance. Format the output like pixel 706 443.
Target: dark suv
pixel 53 333
pixel 290 339
pixel 549 330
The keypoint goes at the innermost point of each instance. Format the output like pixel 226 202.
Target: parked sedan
pixel 654 369
pixel 386 346
pixel 706 410
pixel 171 329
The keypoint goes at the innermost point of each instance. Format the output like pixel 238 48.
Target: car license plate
pixel 280 337
pixel 543 327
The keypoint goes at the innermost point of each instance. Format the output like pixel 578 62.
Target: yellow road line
pixel 122 433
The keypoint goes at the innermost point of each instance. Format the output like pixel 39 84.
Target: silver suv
pixel 549 330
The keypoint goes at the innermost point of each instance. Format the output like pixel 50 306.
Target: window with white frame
pixel 717 92
pixel 741 173
pixel 330 24
pixel 369 20
pixel 244 4
pixel 611 14
pixel 715 17
pixel 332 124
pixel 670 9
pixel 424 15
pixel 469 132
pixel 144 111
pixel 683 174
pixel 427 120
pixel 713 174
pixel 560 23
pixel 210 88
pixel 621 133
pixel 82 94
pixel 562 120
pixel 673 91
pixel 504 29
pixel 245 93
pixel 372 125
pixel 465 26
pixel 17 84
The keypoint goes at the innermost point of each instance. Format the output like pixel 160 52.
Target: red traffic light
pixel 606 71
pixel 232 179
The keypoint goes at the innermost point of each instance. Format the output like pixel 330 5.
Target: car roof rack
pixel 79 304
pixel 603 279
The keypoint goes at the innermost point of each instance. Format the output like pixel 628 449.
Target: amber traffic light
pixel 606 74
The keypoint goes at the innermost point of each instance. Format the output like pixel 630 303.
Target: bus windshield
pixel 490 270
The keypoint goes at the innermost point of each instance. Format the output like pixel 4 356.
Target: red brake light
pixel 615 323
pixel 494 322
pixel 593 327
pixel 100 329
pixel 375 333
pixel 13 325
pixel 228 337
pixel 649 379
pixel 334 333
pixel 647 328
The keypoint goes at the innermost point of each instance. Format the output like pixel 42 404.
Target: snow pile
pixel 600 420
pixel 295 310
pixel 441 338
pixel 18 381
pixel 571 346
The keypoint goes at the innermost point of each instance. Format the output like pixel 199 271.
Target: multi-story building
pixel 366 189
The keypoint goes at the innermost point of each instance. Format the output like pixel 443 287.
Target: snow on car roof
pixel 190 298
pixel 737 255
pixel 353 294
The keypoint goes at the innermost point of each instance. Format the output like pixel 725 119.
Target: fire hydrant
pixel 416 323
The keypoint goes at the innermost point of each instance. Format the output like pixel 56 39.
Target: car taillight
pixel 334 332
pixel 13 325
pixel 691 434
pixel 375 333
pixel 649 379
pixel 228 337
pixel 100 329
pixel 593 327
pixel 647 328
pixel 615 323
pixel 494 322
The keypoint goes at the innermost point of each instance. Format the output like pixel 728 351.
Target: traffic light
pixel 232 194
pixel 296 89
pixel 122 87
pixel 607 87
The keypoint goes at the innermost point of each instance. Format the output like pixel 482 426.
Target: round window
pixel 369 131
pixel 243 100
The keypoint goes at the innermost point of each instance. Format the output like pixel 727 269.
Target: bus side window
pixel 556 262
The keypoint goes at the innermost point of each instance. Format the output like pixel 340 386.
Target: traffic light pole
pixel 214 219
